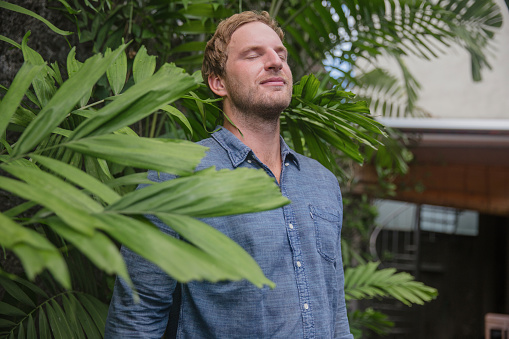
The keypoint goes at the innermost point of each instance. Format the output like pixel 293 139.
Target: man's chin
pixel 271 111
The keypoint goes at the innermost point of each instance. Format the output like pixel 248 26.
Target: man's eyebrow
pixel 255 48
pixel 250 49
pixel 282 49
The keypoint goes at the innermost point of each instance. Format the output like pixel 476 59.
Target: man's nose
pixel 273 61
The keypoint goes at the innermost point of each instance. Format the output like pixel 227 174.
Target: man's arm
pixel 148 317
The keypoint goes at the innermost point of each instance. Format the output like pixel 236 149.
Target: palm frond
pixel 318 120
pixel 357 33
pixel 366 281
pixel 369 319
pixel 69 314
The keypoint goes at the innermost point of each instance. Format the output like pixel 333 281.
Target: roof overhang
pixel 462 163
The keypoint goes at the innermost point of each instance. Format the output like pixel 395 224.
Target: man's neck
pixel 262 137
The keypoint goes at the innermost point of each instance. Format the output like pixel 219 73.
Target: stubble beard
pixel 264 107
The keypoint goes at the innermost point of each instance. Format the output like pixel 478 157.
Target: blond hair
pixel 215 56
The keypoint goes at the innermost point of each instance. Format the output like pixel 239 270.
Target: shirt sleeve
pixel 148 317
pixel 342 328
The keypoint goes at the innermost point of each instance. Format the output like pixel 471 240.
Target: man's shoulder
pixel 313 166
pixel 216 155
pixel 207 142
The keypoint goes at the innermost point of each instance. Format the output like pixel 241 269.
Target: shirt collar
pixel 238 151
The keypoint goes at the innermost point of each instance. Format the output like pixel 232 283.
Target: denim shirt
pixel 297 247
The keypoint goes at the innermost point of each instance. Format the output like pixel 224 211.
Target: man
pixel 297 246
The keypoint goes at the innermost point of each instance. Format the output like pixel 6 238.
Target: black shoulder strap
pixel 173 319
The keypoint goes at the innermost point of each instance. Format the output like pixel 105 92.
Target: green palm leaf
pixel 241 191
pixel 13 98
pixel 69 314
pixel 365 281
pixel 22 10
pixel 63 101
pixel 35 252
pixel 165 86
pixel 172 156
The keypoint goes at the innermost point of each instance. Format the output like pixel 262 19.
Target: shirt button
pixel 291 226
pixel 306 306
pixel 299 264
pixel 287 164
pixel 249 160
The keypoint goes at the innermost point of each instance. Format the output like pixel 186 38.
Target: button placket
pixel 296 246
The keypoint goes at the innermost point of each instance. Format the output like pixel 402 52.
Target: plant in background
pixel 350 36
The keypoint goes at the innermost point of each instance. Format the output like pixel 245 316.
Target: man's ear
pixel 217 86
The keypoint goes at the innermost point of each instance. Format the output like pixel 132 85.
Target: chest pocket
pixel 327 229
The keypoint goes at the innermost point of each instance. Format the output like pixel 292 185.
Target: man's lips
pixel 275 81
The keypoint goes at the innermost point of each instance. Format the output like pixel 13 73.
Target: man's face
pixel 257 77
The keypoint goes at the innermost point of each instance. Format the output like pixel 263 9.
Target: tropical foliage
pixel 353 36
pixel 366 281
pixel 73 150
pixel 73 163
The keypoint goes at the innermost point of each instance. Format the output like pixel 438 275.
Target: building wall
pixel 448 90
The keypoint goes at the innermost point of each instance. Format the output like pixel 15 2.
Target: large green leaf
pixel 8 309
pixel 172 156
pixel 140 100
pixel 177 258
pixel 117 72
pixel 54 186
pixel 63 101
pixel 144 65
pixel 71 313
pixel 22 10
pixel 19 86
pixel 179 115
pixel 57 320
pixel 98 248
pixel 96 309
pixel 43 83
pixel 53 194
pixel 44 328
pixel 215 244
pixel 214 193
pixel 73 66
pixel 31 331
pixel 365 281
pixel 78 177
pixel 35 251
pixel 15 291
pixel 84 318
pixel 325 119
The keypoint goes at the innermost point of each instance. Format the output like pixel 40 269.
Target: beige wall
pixel 448 90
